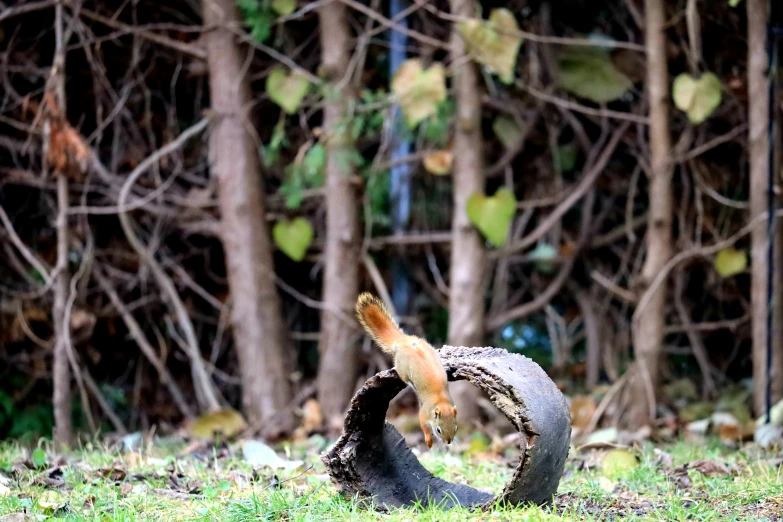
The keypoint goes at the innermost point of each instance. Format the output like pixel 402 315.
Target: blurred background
pixel 193 194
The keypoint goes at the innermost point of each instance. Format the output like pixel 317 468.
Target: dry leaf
pixel 438 162
pixel 582 410
pixel 709 468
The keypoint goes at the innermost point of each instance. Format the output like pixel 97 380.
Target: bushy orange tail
pixel 376 319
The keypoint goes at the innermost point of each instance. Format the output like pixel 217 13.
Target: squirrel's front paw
pixel 428 440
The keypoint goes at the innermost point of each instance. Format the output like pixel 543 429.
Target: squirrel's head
pixel 444 420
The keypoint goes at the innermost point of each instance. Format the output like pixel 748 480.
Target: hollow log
pixel 372 460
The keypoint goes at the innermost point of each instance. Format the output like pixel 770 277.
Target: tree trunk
pixel 648 326
pixel 61 371
pixel 338 366
pixel 265 358
pixel 466 296
pixel 758 121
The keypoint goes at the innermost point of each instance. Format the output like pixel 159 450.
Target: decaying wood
pixel 372 460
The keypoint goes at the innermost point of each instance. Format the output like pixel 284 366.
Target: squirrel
pixel 417 364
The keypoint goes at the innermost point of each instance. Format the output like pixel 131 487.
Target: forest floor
pixel 680 481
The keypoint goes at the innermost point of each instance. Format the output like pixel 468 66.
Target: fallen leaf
pixel 259 454
pixel 293 237
pixel 709 468
pixel 619 463
pixel 227 422
pixel 50 501
pixel 492 215
pixel 679 476
pixel 438 162
pixel 604 436
pixel 606 484
pixel 287 89
pixel 696 411
pixel 697 98
pixel 582 411
pixel 769 436
pixel 419 91
pixel 663 459
pixel 113 474
pixel 494 42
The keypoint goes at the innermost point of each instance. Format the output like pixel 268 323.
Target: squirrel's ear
pixel 436 411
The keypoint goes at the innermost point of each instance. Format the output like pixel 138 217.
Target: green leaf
pixel 588 72
pixel 315 160
pixel 507 130
pixel 734 3
pixel 284 7
pixel 492 216
pixel 418 90
pixel 287 90
pixel 697 98
pixel 293 191
pixel 619 463
pixel 566 157
pixel 293 237
pixel 39 458
pixel 730 262
pixel 494 43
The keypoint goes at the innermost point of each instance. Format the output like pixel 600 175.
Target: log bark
pixel 468 262
pixel 265 357
pixel 758 145
pixel 338 366
pixel 372 460
pixel 648 328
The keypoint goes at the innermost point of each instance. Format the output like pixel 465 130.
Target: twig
pixel 697 344
pixel 584 109
pixel 693 253
pixel 205 389
pixel 423 38
pixel 380 285
pixel 144 345
pixel 533 37
pixel 24 8
pixel 580 190
pixel 186 48
pixel 26 252
pixel 541 300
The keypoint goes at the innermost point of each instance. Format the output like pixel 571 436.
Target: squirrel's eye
pixel 438 430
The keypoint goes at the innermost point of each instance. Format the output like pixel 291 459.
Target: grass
pixel 99 484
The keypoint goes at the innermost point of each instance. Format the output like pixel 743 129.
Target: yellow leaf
pixel 697 98
pixel 227 422
pixel 418 90
pixel 494 42
pixel 730 262
pixel 438 162
pixel 287 90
